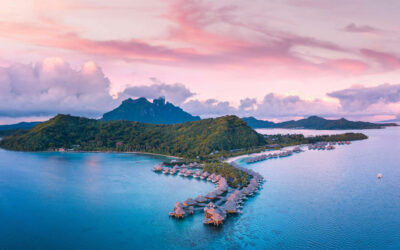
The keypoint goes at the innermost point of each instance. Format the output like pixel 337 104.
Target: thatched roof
pixel 201 199
pixel 230 206
pixel 178 204
pixel 211 195
pixel 214 214
pixel 218 192
pixel 179 212
pixel 158 167
pixel 211 204
pixel 189 202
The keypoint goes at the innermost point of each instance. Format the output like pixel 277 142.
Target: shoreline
pixel 114 152
pixel 234 158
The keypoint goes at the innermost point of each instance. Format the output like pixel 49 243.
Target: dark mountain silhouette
pixel 156 112
pixel 316 122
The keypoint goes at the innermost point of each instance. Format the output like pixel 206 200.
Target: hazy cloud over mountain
pixel 209 108
pixel 176 93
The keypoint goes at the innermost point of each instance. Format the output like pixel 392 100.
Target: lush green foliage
pixel 315 122
pixel 4 133
pixel 255 123
pixel 188 140
pixel 233 176
pixel 157 112
pixel 296 139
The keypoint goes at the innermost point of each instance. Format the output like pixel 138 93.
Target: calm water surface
pixel 312 200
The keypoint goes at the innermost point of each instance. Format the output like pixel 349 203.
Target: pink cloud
pixel 359 28
pixel 386 60
pixel 348 65
pixel 194 42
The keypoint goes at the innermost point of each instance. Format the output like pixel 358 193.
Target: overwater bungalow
pixel 178 212
pixel 211 195
pixel 204 175
pixel 200 199
pixel 230 207
pixel 211 177
pixel 182 172
pixel 166 170
pixel 188 173
pixel 189 202
pixel 214 215
pixel 218 192
pixel 197 174
pixel 158 168
pixel 297 150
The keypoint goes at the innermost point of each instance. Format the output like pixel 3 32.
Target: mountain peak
pixel 157 112
pixel 314 117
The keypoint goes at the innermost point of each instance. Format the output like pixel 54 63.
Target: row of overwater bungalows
pixel 231 201
pixel 264 157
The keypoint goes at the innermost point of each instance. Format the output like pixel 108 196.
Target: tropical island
pixel 316 122
pixel 202 146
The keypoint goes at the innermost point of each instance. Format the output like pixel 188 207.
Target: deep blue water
pixel 312 200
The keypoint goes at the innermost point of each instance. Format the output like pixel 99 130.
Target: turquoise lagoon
pixel 311 200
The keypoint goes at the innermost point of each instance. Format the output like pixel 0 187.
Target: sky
pixel 275 60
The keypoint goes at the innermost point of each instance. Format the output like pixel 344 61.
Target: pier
pixel 286 153
pixel 218 203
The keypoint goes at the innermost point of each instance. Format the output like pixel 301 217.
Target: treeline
pixel 297 139
pixel 187 140
pixel 233 176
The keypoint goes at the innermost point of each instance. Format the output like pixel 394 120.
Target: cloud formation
pixel 209 108
pixel 176 93
pixel 271 106
pixel 52 87
pixel 359 28
pixel 388 61
pixel 359 98
pixel 192 41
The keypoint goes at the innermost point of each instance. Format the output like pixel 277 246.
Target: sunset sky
pixel 271 59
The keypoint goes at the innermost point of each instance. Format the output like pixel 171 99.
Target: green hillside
pixel 189 139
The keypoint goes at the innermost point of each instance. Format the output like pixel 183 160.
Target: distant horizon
pixel 275 120
pixel 268 59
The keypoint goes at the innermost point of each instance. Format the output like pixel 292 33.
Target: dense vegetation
pixel 315 122
pixel 255 123
pixel 4 133
pixel 156 112
pixel 297 139
pixel 233 176
pixel 188 140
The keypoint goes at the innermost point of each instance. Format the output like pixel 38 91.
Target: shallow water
pixel 311 200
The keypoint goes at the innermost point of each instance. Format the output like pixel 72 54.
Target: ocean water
pixel 311 200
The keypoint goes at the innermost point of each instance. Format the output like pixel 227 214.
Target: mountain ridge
pixel 316 122
pixel 141 110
